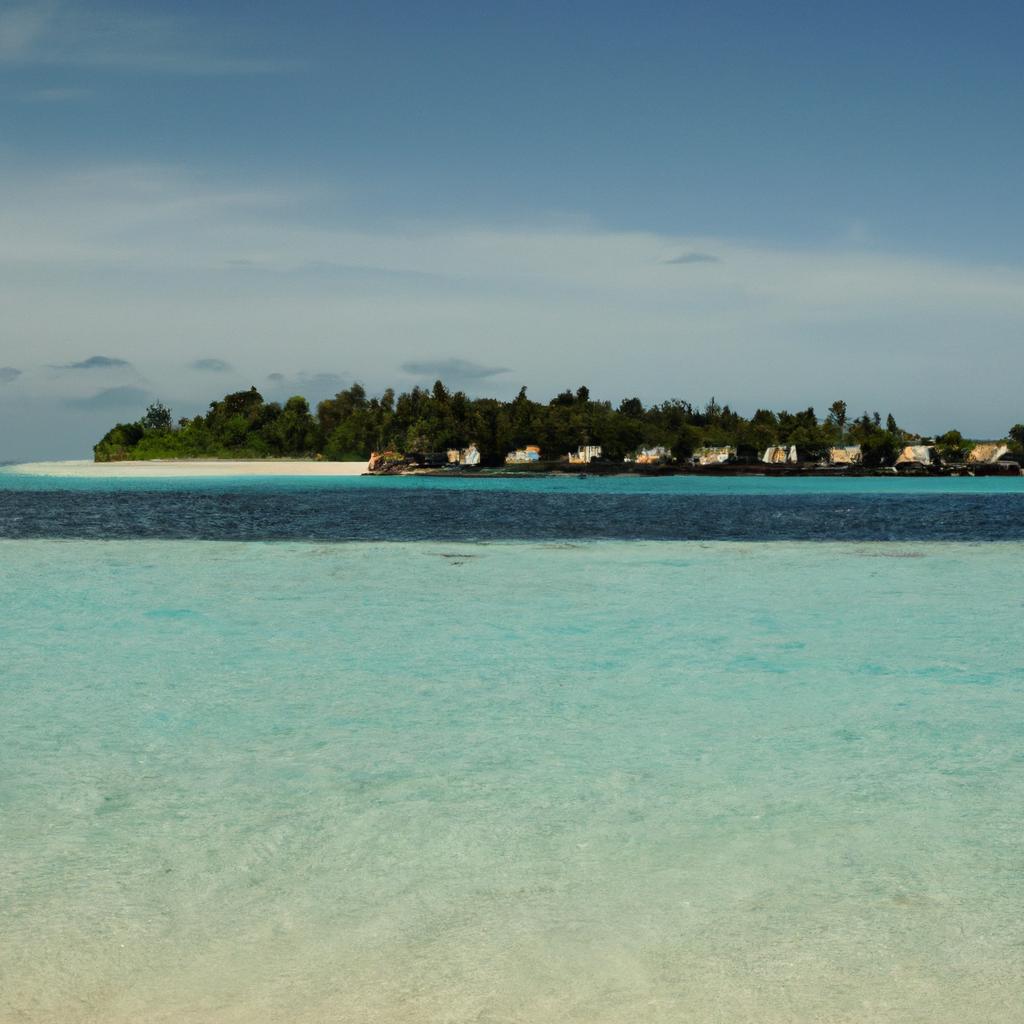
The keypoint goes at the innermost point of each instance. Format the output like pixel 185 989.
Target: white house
pixel 531 453
pixel 983 454
pixel 585 453
pixel 921 454
pixel 779 454
pixel 713 456
pixel 651 456
pixel 845 455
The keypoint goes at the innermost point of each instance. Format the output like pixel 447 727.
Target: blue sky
pixel 775 204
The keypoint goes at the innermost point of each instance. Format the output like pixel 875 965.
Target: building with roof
pixel 650 456
pixel 845 455
pixel 916 456
pixel 985 454
pixel 712 456
pixel 464 456
pixel 529 453
pixel 585 453
pixel 778 455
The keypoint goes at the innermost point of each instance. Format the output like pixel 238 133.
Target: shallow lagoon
pixel 511 782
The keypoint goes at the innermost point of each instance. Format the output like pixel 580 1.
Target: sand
pixel 190 468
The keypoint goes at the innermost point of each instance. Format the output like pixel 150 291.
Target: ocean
pixel 541 751
pixel 543 508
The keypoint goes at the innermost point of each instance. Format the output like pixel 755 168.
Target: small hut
pixel 915 457
pixel 653 456
pixel 529 453
pixel 585 454
pixel 986 454
pixel 713 456
pixel 845 455
pixel 780 455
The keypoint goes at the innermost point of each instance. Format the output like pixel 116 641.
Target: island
pixel 437 430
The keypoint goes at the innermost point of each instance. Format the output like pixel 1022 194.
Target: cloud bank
pixel 114 399
pixel 95 363
pixel 692 257
pixel 169 266
pixel 313 386
pixel 98 37
pixel 57 95
pixel 454 370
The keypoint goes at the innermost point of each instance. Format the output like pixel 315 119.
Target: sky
pixel 774 204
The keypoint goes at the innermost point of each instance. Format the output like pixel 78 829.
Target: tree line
pixel 352 424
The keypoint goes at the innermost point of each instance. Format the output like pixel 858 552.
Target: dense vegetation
pixel 352 424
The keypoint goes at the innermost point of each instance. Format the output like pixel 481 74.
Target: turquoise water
pixel 12 479
pixel 511 782
pixel 459 510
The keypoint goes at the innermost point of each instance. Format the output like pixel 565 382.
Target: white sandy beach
pixel 190 468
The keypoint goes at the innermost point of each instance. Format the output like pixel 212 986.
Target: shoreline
pixel 741 470
pixel 169 468
pixel 213 468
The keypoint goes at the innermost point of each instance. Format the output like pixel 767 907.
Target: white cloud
pixel 164 267
pixel 58 95
pixel 160 219
pixel 21 28
pixel 70 34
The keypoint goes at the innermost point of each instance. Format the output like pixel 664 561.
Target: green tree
pixel 157 417
pixel 687 441
pixel 631 408
pixel 837 418
pixel 951 446
pixel 352 424
pixel 880 449
pixel 333 411
pixel 118 442
pixel 293 432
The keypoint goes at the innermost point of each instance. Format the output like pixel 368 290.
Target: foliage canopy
pixel 352 424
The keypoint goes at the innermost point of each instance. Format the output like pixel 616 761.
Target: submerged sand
pixel 191 468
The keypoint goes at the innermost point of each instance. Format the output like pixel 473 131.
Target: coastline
pixel 748 470
pixel 159 468
pixel 217 468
